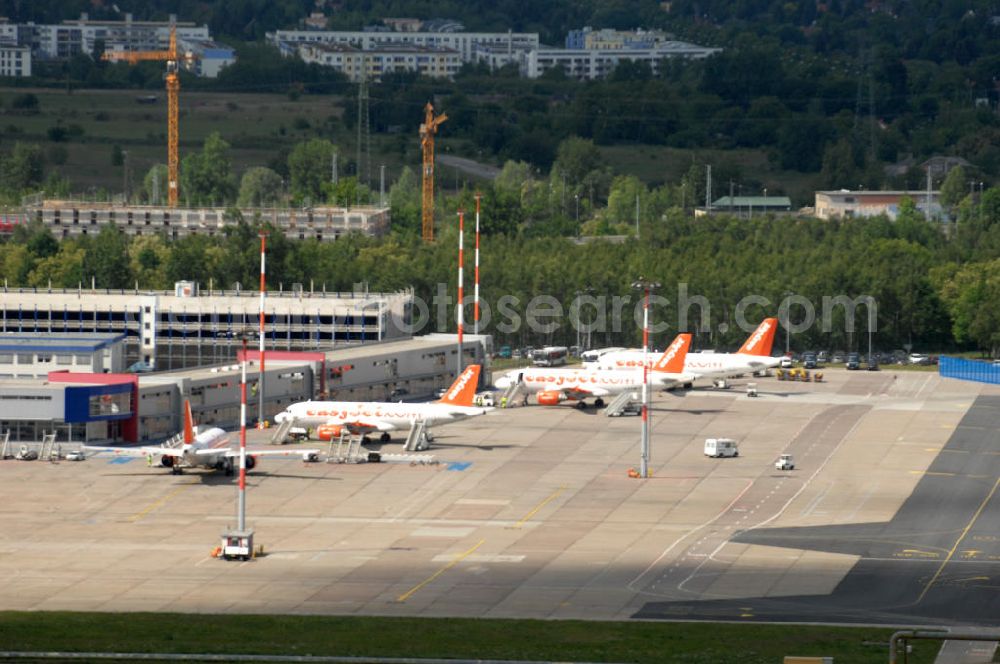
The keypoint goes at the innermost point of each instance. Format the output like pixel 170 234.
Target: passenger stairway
pixel 5 447
pixel 48 446
pixel 417 440
pixel 512 393
pixel 619 403
pixel 279 435
pixel 348 449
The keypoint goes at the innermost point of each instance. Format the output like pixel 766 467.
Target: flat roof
pixel 69 342
pixel 425 342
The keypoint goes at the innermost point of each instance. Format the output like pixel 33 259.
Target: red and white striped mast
pixel 242 502
pixel 263 288
pixel 461 291
pixel 475 315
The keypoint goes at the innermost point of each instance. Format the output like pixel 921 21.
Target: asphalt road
pixel 937 561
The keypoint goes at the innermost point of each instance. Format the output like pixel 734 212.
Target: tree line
pixel 933 291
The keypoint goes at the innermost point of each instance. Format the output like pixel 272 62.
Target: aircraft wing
pixel 213 451
pixel 292 451
pixel 362 427
pixel 136 451
pixel 577 393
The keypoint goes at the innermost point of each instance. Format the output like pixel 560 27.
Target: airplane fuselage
pixel 601 381
pixel 698 364
pixel 396 415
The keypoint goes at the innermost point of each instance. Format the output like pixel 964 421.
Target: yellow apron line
pixel 459 558
pixel 159 503
pixel 965 532
pixel 539 506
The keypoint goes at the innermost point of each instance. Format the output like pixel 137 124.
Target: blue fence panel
pixel 975 370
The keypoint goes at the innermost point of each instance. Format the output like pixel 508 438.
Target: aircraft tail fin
pixel 188 423
pixel 672 360
pixel 760 342
pixel 463 390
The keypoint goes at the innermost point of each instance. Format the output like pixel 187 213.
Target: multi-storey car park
pixel 188 327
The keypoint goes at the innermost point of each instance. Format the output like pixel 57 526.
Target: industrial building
pixel 846 204
pixel 97 407
pixel 73 218
pixel 30 355
pixel 192 327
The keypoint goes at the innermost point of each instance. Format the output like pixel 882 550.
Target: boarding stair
pixel 48 446
pixel 279 435
pixel 417 439
pixel 5 446
pixel 619 403
pixel 348 449
pixel 513 392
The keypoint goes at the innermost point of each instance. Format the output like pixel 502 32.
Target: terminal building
pixel 118 408
pixel 189 327
pixel 33 355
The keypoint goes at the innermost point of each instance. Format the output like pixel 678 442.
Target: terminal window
pixel 110 404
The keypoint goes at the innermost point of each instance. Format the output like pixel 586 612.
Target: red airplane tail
pixel 760 342
pixel 188 423
pixel 672 360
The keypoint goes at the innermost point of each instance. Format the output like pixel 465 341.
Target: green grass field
pixel 688 643
pixel 259 126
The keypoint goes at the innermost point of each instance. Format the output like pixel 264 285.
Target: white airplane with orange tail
pixel 364 417
pixel 753 355
pixel 202 449
pixel 553 386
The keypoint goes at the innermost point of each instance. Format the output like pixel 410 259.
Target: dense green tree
pixel 206 176
pixel 309 166
pixel 22 169
pixel 106 259
pixel 259 187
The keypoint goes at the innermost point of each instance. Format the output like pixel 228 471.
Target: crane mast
pixel 427 131
pixel 173 85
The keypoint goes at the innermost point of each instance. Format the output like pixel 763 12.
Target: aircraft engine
pixel 167 461
pixel 549 398
pixel 328 431
pixel 251 462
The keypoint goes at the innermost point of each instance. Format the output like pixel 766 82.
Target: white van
pixel 721 447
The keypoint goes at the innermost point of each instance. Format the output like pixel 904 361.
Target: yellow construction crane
pixel 427 131
pixel 173 90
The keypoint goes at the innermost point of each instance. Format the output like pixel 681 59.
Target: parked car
pixel 786 363
pixel 872 363
pixel 920 359
pixel 505 353
pixel 823 356
pixel 839 357
pixel 75 455
pixel 853 362
pixel 809 361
